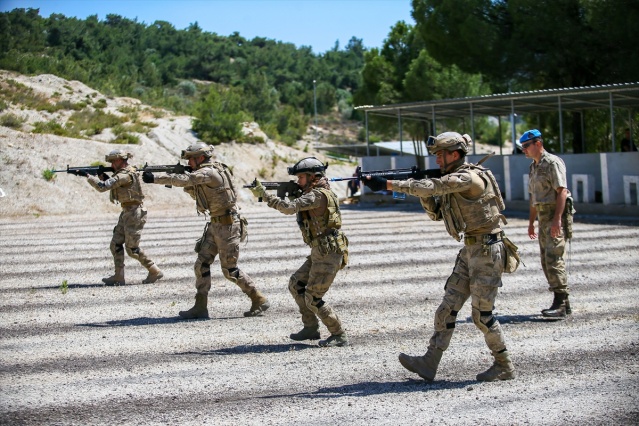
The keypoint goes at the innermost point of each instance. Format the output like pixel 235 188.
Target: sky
pixel 315 23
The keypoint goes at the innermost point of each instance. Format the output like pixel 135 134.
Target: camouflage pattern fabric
pixel 223 241
pixel 478 276
pixel 127 234
pixel 552 251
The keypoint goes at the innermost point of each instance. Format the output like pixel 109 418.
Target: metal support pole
pixel 472 127
pixel 583 133
pixel 561 126
pixel 513 131
pixel 368 145
pixel 401 137
pixel 501 142
pixel 612 121
pixel 434 121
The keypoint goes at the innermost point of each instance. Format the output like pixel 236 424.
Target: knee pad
pixel 317 302
pixel 296 287
pixel 231 273
pixel 133 251
pixel 116 248
pixel 483 319
pixel 445 317
pixel 204 269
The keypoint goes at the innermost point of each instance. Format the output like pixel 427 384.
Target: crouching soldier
pixel 320 220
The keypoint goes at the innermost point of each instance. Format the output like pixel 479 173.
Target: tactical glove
pixel 81 173
pixel 375 183
pixel 258 190
pixel 103 177
pixel 148 177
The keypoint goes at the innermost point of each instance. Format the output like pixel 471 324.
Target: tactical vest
pixel 131 193
pixel 462 215
pixel 216 200
pixel 321 220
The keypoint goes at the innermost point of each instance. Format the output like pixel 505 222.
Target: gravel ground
pixel 118 355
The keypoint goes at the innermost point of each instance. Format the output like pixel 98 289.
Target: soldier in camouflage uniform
pixel 468 200
pixel 550 202
pixel 211 186
pixel 320 220
pixel 125 188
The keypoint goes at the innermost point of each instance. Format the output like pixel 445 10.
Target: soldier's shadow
pixel 379 388
pixel 520 319
pixel 70 286
pixel 254 349
pixel 132 322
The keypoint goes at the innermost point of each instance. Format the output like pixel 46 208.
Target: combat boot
pixel 307 333
pixel 424 366
pixel 199 310
pixel 259 304
pixel 154 274
pixel 334 340
pixel 558 309
pixel 502 369
pixel 115 279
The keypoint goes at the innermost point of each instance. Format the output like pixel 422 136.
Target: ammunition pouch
pixel 512 256
pixel 200 241
pixel 332 243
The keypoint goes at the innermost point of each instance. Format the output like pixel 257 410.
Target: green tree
pixel 218 117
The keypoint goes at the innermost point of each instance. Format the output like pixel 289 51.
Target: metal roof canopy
pixel 623 95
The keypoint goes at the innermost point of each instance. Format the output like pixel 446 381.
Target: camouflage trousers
pixel 223 241
pixel 477 274
pixel 126 236
pixel 309 284
pixel 552 252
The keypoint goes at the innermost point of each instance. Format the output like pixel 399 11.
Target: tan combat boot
pixel 115 279
pixel 424 366
pixel 334 340
pixel 199 310
pixel 307 333
pixel 502 369
pixel 154 274
pixel 259 304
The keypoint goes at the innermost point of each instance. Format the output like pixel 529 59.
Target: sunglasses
pixel 525 145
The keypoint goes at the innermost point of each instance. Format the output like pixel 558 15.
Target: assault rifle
pixel 284 189
pixel 86 170
pixel 394 174
pixel 173 168
pixel 177 169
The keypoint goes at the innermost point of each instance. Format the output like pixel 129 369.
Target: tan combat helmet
pixel 197 149
pixel 117 153
pixel 310 165
pixel 450 141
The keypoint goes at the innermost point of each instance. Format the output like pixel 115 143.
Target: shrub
pixel 11 120
pixel 101 103
pixel 187 88
pixel 48 175
pixel 127 138
pixel 52 127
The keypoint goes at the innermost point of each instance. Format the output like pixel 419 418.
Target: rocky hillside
pixel 49 123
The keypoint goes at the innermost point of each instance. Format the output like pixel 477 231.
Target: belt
pixel 130 204
pixel 329 233
pixel 544 207
pixel 483 239
pixel 225 219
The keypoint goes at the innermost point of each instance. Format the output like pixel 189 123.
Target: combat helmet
pixel 117 153
pixel 309 165
pixel 196 149
pixel 450 141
